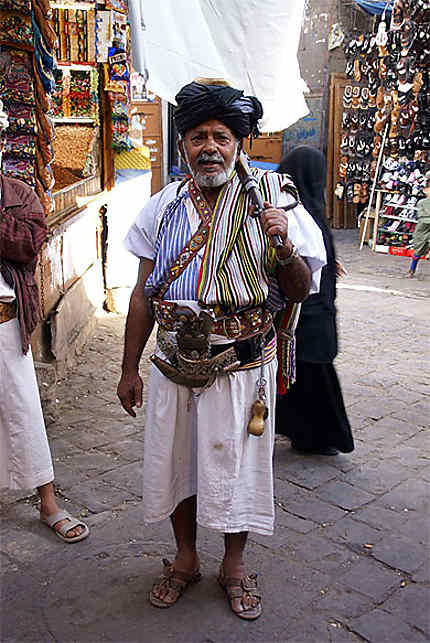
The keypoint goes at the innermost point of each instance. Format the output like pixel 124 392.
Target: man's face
pixel 210 150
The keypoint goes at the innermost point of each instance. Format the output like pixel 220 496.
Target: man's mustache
pixel 212 158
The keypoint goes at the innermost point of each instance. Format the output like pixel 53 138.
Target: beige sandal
pixel 171 579
pixel 244 588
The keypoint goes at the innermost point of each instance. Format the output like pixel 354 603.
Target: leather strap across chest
pixel 197 241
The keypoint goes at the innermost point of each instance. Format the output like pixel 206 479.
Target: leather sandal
pixel 244 588
pixel 171 579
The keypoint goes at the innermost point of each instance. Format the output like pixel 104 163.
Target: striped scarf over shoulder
pixel 239 259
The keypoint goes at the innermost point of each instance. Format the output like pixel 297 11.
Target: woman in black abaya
pixel 312 413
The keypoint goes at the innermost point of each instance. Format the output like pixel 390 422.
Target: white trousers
pixel 25 458
pixel 199 445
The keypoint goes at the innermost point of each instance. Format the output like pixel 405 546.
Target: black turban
pixel 197 103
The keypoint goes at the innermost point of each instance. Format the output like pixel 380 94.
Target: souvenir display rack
pixel 27 42
pixel 388 93
pixel 44 96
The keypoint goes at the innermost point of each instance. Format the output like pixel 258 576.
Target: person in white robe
pixel 201 463
pixel 25 457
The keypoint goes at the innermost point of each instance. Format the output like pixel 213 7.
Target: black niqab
pixel 316 331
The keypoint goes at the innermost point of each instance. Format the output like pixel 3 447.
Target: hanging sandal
pixel 171 579
pixel 244 588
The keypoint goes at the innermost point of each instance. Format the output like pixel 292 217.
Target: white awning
pixel 251 43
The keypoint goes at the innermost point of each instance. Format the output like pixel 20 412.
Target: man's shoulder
pixel 169 192
pixel 16 192
pixel 281 183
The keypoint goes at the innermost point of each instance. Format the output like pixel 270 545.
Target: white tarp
pixel 251 43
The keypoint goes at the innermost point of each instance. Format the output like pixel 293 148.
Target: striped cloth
pixel 238 262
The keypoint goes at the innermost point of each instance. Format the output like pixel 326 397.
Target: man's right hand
pixel 129 391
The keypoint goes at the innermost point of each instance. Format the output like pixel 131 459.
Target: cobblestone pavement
pixel 349 560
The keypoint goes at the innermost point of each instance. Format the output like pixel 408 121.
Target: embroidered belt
pixel 201 370
pixel 7 311
pixel 242 325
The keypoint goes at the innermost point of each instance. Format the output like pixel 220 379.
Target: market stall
pixel 65 82
pixel 385 129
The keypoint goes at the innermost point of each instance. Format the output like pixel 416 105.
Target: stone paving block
pixel 425 473
pixel 310 508
pixel 128 477
pixel 127 449
pixel 416 529
pixel 87 438
pixel 344 495
pixel 286 520
pixel 419 441
pixel 381 517
pixel 90 463
pixel 370 578
pixel 303 472
pixel 97 495
pixel 411 495
pixel 408 458
pixel 342 602
pixel 71 415
pixel 376 432
pixel 395 425
pixel 400 553
pixel 375 479
pixel 358 421
pixel 379 626
pixel 378 407
pixel 412 605
pixel 416 415
pixel 400 392
pixel 62 447
pixel 66 474
pixel 352 532
pixel 116 430
pixel 422 575
pixel 323 555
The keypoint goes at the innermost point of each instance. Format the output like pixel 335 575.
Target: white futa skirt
pixel 25 457
pixel 197 444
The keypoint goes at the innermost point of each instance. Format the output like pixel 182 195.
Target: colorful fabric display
pixel 16 30
pixel 20 6
pixel 20 145
pixel 58 94
pixel 117 5
pixel 22 169
pixel 75 29
pixel 15 82
pixel 80 92
pixel 22 118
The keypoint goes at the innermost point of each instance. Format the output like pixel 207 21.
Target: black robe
pixel 312 414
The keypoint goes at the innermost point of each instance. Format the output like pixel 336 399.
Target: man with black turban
pixel 211 278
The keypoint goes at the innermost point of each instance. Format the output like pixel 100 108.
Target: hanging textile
pixel 376 7
pixel 253 45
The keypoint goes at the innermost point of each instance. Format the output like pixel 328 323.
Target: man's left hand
pixel 274 221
